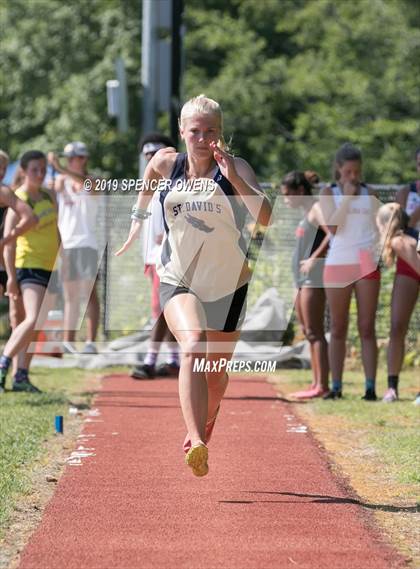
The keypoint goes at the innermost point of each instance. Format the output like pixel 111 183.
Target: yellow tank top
pixel 38 247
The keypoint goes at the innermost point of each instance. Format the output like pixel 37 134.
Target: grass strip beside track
pixel 27 428
pixel 375 446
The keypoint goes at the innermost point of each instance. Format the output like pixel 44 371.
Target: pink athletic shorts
pixel 150 271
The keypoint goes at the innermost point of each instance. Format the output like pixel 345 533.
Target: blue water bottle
pixel 59 424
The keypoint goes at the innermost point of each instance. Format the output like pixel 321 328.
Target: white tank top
pixel 203 249
pixel 77 213
pixel 355 242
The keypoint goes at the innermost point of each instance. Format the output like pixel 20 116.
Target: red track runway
pixel 269 501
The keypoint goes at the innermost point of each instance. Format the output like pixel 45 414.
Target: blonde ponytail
pixel 390 221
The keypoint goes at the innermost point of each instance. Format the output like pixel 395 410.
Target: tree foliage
pixel 295 78
pixel 56 59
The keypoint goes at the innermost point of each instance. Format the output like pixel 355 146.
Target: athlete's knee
pixel 367 329
pixel 314 335
pixel 214 377
pixel 193 344
pixel 339 330
pixel 29 322
pixel 399 328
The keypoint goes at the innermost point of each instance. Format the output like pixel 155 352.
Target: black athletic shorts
pixel 79 264
pixel 38 277
pixel 225 314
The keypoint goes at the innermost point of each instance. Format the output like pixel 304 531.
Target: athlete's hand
pixel 53 160
pixel 307 265
pixel 12 289
pixel 132 236
pixel 225 161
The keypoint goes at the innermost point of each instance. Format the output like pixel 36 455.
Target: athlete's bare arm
pixel 58 185
pixel 159 167
pixel 316 217
pixel 25 217
pixel 405 247
pixel 9 255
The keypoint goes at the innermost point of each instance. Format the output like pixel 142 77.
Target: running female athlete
pixel 203 269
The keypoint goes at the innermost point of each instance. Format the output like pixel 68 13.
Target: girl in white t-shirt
pixel 351 265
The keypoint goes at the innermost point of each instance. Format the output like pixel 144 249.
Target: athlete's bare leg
pixel 339 303
pixel 299 314
pixel 76 294
pixel 404 297
pixel 217 381
pixel 71 293
pixel 32 295
pixel 25 356
pixel 313 308
pixel 367 292
pixel 186 320
pixel 16 315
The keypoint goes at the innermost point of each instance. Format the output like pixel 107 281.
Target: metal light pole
pixel 176 54
pixel 161 64
pixel 148 64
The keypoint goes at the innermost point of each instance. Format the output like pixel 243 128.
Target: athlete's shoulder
pixel 400 242
pixel 242 164
pixel 245 170
pixel 315 213
pixel 6 196
pixel 163 161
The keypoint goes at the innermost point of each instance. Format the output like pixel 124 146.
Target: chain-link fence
pixel 125 291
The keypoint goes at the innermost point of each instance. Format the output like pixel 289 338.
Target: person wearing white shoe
pixel 399 241
pixel 77 215
pixel 390 395
pixel 90 348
